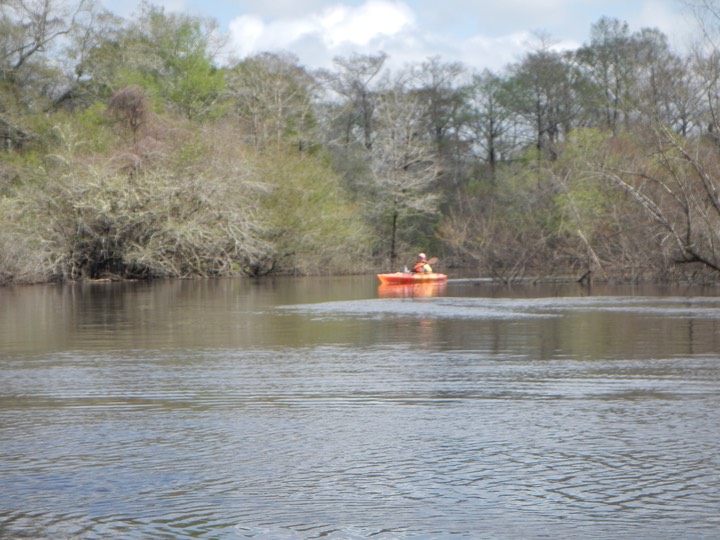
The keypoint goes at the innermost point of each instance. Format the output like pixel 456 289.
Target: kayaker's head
pixel 422 257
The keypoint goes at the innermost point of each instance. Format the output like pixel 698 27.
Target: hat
pixel 422 256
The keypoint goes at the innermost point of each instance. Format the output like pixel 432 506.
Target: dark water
pixel 327 408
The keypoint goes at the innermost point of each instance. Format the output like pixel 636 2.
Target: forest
pixel 133 149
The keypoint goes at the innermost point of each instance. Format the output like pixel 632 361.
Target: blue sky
pixel 482 34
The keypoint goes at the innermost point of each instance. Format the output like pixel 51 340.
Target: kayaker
pixel 422 266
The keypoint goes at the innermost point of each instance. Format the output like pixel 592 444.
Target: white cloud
pixel 391 26
pixel 246 32
pixel 494 53
pixel 335 27
pixel 360 25
pixel 488 34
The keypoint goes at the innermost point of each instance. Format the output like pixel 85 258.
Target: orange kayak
pixel 421 289
pixel 408 278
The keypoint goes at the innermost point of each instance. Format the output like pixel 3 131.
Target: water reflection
pixel 314 409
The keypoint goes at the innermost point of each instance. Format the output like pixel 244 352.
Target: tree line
pixel 130 150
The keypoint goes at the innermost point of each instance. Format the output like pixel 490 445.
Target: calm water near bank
pixel 297 408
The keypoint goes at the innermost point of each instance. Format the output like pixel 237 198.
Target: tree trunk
pixel 393 235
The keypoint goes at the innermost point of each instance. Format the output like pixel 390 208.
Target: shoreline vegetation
pixel 129 151
pixel 583 282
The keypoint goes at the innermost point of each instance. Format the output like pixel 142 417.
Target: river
pixel 299 408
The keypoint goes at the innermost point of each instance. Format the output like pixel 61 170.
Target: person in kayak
pixel 422 266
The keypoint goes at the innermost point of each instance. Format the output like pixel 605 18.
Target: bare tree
pixel 439 84
pixel 131 108
pixel 608 63
pixel 663 86
pixel 353 83
pixel 403 161
pixel 543 93
pixel 273 98
pixel 30 32
pixel 680 191
pixel 489 118
pixel 93 32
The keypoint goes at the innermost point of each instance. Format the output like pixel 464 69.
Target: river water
pixel 332 408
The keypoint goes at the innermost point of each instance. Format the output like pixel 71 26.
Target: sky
pixel 482 34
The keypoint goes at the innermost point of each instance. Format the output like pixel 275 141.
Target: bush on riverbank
pixel 178 204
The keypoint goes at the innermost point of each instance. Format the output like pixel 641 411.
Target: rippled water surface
pixel 330 408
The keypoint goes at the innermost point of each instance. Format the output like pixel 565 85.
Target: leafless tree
pixel 130 106
pixel 30 32
pixel 273 98
pixel 403 160
pixel 489 119
pixel 680 191
pixel 543 88
pixel 353 83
